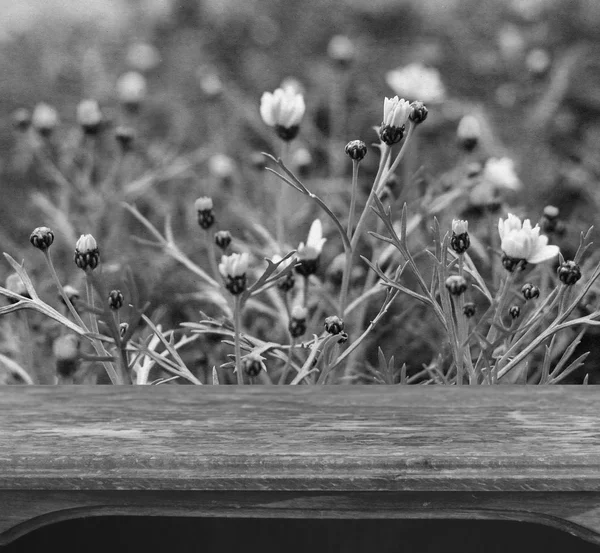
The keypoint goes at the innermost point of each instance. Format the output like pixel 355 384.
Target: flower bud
pixel 66 352
pixel 131 89
pixel 283 110
pixel 391 135
pixel 123 328
pixel 42 238
pixel 115 300
pixel 87 254
pixel 252 364
pixel 550 223
pixel 460 240
pixel 223 239
pixel 16 285
pixel 456 285
pixel 125 137
pixel 44 119
pixel 356 150
pixel 514 311
pixel 512 264
pixel 89 116
pixel 419 112
pixel 468 132
pixel 569 272
pixel 204 208
pixel 341 50
pixel 297 325
pixel 469 309
pixel 529 291
pixel 21 119
pixel 334 325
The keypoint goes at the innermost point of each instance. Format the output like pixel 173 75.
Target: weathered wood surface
pixel 526 453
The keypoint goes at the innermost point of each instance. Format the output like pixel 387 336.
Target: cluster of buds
pixel 115 300
pixel 309 253
pixel 283 110
pixel 297 325
pixel 66 352
pixel 204 209
pixel 356 150
pixel 233 269
pixel 89 116
pixel 395 116
pixel 42 238
pixel 87 254
pixel 456 285
pixel 550 223
pixel 529 291
pixel 460 240
pixel 252 364
pixel 223 239
pixel 335 326
pixel 569 272
pixel 468 132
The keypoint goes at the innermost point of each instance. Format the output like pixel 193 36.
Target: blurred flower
pixel 66 352
pixel 395 116
pixel 125 137
pixel 521 242
pixel 297 325
pixel 341 50
pixel 223 239
pixel 87 255
pixel 287 283
pixel 294 85
pixel 253 363
pixel 469 309
pixel 142 56
pixel 233 269
pixel 44 119
pixel 89 116
pixel 538 61
pixel 21 119
pixel 511 42
pixel 468 132
pixel 41 238
pixel 506 95
pixel 131 89
pixel 302 159
pixel 308 254
pixel 71 292
pixel 417 82
pixel 501 173
pixel 204 209
pixel 221 166
pixel 209 82
pixel 283 109
pixel 16 285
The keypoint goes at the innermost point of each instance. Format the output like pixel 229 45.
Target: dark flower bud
pixel 252 364
pixel 125 137
pixel 356 150
pixel 529 291
pixel 460 240
pixel 456 285
pixel 343 338
pixel 569 272
pixel 390 135
pixel 469 309
pixel 223 239
pixel 307 267
pixel 514 311
pixel 419 112
pixel 42 238
pixel 115 299
pixel 512 264
pixel 21 119
pixel 87 254
pixel 297 325
pixel 287 133
pixel 204 208
pixel 334 325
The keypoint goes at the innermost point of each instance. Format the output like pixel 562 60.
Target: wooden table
pixel 517 453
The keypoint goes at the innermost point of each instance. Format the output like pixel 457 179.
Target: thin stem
pixel 288 363
pixel 212 254
pixel 345 283
pixel 355 165
pixel 237 314
pixel 306 287
pixel 281 203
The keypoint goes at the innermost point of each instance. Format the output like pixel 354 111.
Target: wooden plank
pixel 527 453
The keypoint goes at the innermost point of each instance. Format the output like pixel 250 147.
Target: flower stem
pixel 288 363
pixel 212 254
pixel 281 203
pixel 237 314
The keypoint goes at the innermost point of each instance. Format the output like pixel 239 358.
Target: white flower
pixel 459 227
pixel 417 82
pixel 44 117
pixel 88 113
pixel 221 166
pixel 282 108
pixel 395 111
pixel 520 241
pixel 234 265
pixel 131 87
pixel 314 243
pixel 469 128
pixel 86 244
pixel 501 173
pixel 204 203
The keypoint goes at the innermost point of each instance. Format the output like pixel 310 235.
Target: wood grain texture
pixel 527 453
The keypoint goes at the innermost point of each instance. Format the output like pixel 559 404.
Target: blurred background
pixel 529 69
